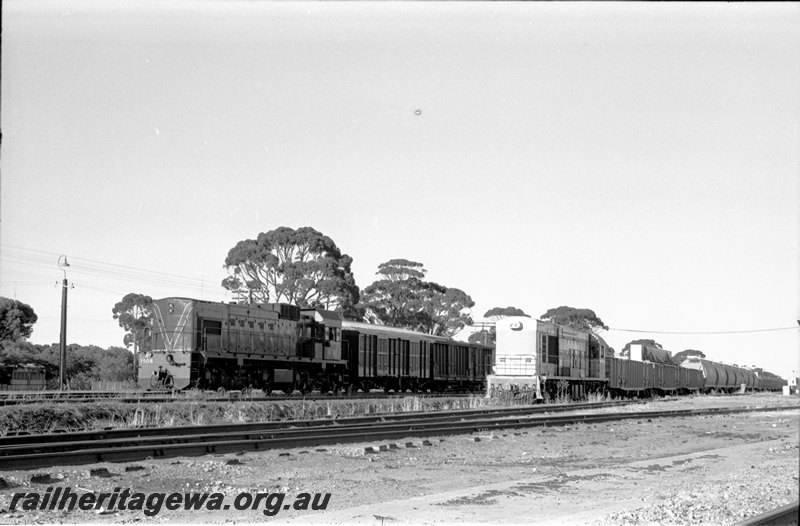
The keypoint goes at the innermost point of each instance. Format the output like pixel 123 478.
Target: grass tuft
pixel 47 417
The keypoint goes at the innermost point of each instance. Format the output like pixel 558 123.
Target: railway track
pixel 783 516
pixel 28 452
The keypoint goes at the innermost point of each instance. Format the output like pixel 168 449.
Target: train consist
pixel 553 360
pixel 207 345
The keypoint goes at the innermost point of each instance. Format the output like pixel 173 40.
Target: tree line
pixel 85 363
pixel 302 267
pixel 306 268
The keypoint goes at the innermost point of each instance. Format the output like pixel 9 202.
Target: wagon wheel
pixel 327 386
pixel 304 384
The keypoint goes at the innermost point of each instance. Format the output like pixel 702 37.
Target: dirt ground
pixel 700 470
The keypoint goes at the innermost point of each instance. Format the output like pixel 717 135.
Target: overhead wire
pixel 707 332
pixel 107 270
pixel 44 259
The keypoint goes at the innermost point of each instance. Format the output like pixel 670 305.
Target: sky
pixel 637 159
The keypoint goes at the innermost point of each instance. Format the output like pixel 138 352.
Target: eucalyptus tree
pixel 402 298
pixel 135 314
pixel 16 320
pixel 626 351
pixel 683 355
pixel 582 319
pixel 301 267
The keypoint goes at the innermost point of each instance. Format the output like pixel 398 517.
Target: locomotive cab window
pixel 332 334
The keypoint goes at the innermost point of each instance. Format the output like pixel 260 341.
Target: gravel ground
pixel 700 470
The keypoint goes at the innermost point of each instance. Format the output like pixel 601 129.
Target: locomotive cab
pixel 212 345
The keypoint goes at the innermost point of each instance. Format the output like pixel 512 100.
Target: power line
pixel 42 259
pixel 706 332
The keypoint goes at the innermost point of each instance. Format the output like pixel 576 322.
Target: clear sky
pixel 637 159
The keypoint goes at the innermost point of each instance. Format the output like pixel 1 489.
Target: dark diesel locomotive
pixel 207 345
pixel 552 360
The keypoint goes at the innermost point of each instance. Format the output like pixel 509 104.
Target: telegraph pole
pixel 63 347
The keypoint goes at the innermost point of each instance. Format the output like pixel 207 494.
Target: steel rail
pixel 252 427
pixel 785 515
pixel 22 458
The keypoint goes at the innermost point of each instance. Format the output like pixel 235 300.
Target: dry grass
pixel 47 417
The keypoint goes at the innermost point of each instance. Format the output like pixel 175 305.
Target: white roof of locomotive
pixel 369 327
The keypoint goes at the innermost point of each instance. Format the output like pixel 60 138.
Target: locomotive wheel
pixel 304 384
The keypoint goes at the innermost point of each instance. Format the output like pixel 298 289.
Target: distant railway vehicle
pixel 274 346
pixel 551 360
pixel 26 377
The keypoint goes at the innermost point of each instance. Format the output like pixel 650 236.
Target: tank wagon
pixel 550 359
pixel 271 346
pixel 722 377
pixel 767 381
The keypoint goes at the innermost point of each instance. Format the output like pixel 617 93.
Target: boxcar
pixel 392 359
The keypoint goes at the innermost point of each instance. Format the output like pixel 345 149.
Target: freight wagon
pixel 397 359
pixel 553 360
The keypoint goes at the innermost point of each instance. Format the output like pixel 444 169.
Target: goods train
pixel 551 360
pixel 271 346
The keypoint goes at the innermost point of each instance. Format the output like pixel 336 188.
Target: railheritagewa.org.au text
pixel 151 504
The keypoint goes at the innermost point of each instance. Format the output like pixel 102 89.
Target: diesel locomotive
pixel 274 346
pixel 551 360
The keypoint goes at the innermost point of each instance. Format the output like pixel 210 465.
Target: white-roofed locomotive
pixel 549 360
